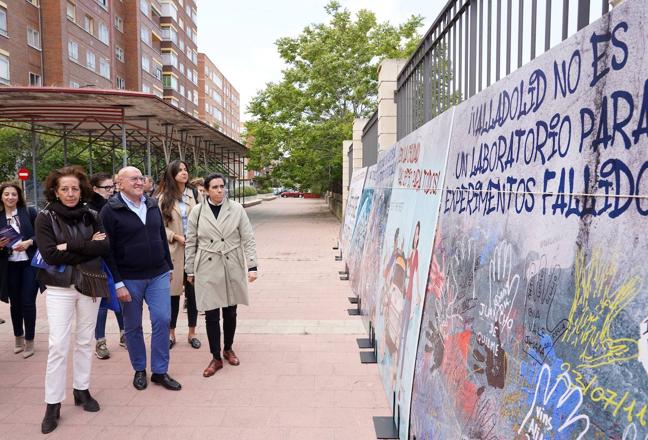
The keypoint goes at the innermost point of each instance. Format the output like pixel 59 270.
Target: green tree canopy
pixel 299 123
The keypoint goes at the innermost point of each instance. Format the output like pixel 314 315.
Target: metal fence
pixel 474 43
pixel 370 141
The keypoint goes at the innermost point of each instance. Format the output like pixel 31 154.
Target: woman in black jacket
pixel 72 240
pixel 18 284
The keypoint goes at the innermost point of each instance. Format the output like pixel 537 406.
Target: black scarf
pixel 71 216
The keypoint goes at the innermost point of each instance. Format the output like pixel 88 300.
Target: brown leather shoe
pixel 231 357
pixel 213 367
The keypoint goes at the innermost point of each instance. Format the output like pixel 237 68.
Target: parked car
pixel 292 193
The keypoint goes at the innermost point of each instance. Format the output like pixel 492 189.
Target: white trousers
pixel 62 302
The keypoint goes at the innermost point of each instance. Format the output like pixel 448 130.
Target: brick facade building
pixel 141 45
pixel 219 102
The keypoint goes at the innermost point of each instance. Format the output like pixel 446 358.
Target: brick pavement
pixel 300 377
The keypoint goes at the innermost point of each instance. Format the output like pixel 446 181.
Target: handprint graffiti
pixel 490 362
pixel 502 291
pixel 542 283
pixel 600 294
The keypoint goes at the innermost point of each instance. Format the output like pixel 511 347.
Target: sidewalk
pixel 300 376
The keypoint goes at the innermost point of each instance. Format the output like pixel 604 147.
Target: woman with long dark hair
pixel 72 241
pixel 18 283
pixel 176 199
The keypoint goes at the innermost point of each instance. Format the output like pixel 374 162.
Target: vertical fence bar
pixel 565 15
pixel 548 26
pixel 488 43
pixel 472 61
pixel 534 27
pixel 480 5
pixel 583 13
pixel 520 32
pixel 498 44
pixel 509 38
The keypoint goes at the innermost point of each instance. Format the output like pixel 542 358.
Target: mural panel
pixel 406 250
pixel 534 324
pixel 351 210
pixel 365 282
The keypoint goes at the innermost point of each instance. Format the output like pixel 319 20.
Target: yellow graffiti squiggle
pixel 600 295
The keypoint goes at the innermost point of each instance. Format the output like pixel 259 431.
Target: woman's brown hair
pixel 169 191
pixel 52 181
pixel 21 199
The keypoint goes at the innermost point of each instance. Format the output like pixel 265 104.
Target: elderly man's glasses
pixel 137 179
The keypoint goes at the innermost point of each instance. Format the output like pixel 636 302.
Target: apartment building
pixel 142 45
pixel 21 60
pixel 219 104
pixel 180 54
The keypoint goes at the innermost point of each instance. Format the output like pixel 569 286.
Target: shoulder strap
pixel 198 224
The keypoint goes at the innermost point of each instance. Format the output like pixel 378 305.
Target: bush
pixel 247 192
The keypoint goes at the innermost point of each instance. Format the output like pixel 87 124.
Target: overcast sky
pixel 239 36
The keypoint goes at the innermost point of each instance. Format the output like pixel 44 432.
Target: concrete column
pixel 387 76
pixel 346 180
pixel 358 125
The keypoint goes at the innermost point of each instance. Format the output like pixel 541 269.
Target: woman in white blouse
pixel 18 284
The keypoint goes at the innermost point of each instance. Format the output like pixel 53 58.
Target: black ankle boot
pixel 83 397
pixel 52 413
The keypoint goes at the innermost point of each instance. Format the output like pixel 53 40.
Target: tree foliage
pixel 298 124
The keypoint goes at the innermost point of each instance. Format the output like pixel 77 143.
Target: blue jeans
pixel 102 316
pixel 156 293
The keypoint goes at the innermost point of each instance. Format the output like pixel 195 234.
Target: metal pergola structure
pixel 144 128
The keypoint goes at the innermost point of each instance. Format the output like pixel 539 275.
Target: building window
pixel 119 23
pixel 34 79
pixel 88 24
pixel 170 59
pixel 170 34
pixel 71 11
pixel 182 89
pixel 74 84
pixel 170 82
pixel 181 43
pixel 103 3
pixel 119 53
pixel 33 38
pixel 146 64
pixel 103 34
pixel 4 69
pixel 195 97
pixel 146 88
pixel 104 68
pixel 90 60
pixel 3 21
pixel 121 83
pixel 169 10
pixel 34 2
pixel 182 68
pixel 73 50
pixel 145 35
pixel 144 7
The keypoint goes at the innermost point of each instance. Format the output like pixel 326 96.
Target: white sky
pixel 239 36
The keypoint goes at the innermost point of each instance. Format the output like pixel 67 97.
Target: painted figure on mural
pixel 412 291
pixel 395 275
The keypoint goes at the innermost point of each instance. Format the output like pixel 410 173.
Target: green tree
pixel 298 124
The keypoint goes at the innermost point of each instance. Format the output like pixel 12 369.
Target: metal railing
pixel 370 141
pixel 474 43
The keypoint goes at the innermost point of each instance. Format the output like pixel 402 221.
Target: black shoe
pixel 139 381
pixel 172 342
pixel 52 414
pixel 166 381
pixel 195 343
pixel 83 397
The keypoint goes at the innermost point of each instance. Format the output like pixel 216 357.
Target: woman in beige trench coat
pixel 220 260
pixel 176 200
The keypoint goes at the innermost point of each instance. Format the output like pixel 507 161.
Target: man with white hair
pixel 141 265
